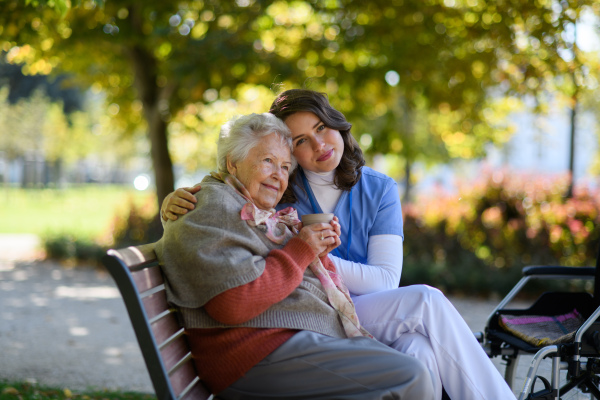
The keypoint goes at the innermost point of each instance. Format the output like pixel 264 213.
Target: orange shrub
pixel 478 240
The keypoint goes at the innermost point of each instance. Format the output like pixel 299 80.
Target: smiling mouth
pixel 275 188
pixel 325 156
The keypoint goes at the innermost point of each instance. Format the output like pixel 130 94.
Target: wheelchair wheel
pixel 545 372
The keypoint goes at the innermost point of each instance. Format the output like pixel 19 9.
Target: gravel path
pixel 68 327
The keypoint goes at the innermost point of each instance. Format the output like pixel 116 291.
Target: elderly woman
pixel 265 312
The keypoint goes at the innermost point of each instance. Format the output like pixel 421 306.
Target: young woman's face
pixel 264 171
pixel 317 148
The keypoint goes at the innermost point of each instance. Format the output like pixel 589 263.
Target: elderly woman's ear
pixel 231 166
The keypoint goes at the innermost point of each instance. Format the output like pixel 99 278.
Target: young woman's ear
pixel 231 166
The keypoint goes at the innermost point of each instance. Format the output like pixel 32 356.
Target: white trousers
pixel 420 321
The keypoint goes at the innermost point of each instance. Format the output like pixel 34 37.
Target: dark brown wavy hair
pixel 348 172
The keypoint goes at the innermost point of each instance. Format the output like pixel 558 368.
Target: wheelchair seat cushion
pixel 542 330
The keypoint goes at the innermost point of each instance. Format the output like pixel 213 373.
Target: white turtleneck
pixel 384 252
pixel 325 192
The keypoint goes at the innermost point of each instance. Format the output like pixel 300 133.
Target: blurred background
pixel 484 112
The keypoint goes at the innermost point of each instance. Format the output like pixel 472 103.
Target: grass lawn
pixel 27 391
pixel 85 212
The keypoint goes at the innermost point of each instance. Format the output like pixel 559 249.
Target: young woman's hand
pixel 335 224
pixel 179 202
pixel 322 237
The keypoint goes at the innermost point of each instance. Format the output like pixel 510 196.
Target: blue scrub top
pixel 376 210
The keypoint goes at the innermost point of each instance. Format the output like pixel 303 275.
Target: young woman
pixel 416 320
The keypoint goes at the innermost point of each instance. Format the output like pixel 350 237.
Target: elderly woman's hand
pixel 179 202
pixel 322 238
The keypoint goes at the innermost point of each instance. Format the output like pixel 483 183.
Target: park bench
pixel 161 338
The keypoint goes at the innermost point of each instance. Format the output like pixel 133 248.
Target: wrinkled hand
pixel 179 202
pixel 322 238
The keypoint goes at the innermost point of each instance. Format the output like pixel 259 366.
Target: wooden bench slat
pixel 155 304
pixel 147 279
pixel 181 378
pixel 165 327
pixel 174 352
pixel 197 391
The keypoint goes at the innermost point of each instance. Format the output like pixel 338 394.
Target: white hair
pixel 240 134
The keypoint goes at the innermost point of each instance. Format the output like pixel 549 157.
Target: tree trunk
pixel 155 101
pixel 409 151
pixel 161 160
pixel 407 186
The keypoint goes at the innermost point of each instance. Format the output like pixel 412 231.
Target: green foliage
pixel 196 151
pixel 71 249
pixel 149 59
pixel 23 86
pixel 423 81
pixel 82 212
pixel 478 240
pixel 131 229
pixel 77 225
pixel 40 128
pixel 140 225
pixel 28 391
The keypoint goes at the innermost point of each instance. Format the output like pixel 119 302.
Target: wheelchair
pixel 575 359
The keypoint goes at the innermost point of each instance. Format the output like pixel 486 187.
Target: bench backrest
pixel 160 336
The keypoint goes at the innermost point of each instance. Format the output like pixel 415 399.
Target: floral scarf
pixel 334 287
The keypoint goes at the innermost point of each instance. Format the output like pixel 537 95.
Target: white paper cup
pixel 309 219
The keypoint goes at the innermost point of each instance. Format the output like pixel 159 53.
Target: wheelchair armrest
pixel 558 270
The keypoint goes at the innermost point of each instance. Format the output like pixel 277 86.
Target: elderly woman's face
pixel 265 171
